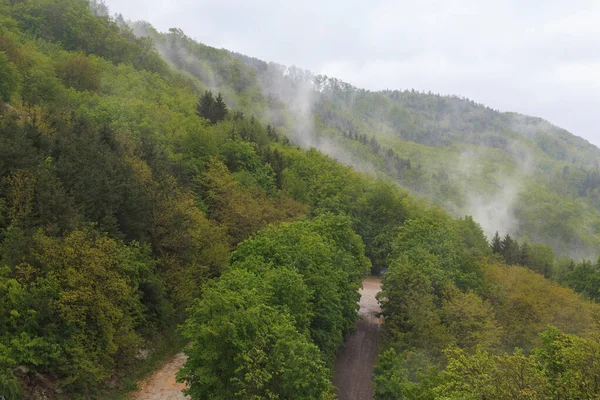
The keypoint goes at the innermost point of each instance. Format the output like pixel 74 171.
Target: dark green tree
pixel 9 78
pixel 496 244
pixel 206 105
pixel 510 250
pixel 212 109
pixel 220 110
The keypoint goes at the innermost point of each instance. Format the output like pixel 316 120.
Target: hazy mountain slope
pixel 513 173
pixel 132 200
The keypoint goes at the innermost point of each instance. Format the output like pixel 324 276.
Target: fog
pixel 537 58
pixel 301 91
pixel 494 210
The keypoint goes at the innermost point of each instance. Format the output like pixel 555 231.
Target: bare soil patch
pixel 162 385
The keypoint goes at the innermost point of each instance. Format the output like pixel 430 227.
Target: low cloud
pixel 539 57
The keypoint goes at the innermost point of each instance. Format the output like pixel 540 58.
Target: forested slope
pixel 124 188
pixel 505 169
pixel 130 194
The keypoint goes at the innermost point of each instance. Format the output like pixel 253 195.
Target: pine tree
pixel 496 244
pixel 510 250
pixel 506 245
pixel 206 105
pixel 220 111
pixel 212 109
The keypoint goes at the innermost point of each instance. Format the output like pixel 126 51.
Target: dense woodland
pixel 151 187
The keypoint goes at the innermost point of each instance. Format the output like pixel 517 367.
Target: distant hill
pixel 514 173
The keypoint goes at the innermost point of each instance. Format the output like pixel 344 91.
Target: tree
pixel 243 211
pixel 496 244
pixel 244 348
pixel 571 363
pixel 212 109
pixel 524 257
pixel 220 109
pixel 408 303
pixel 541 258
pixel 484 376
pixel 81 308
pixel 433 236
pixel 9 78
pixel 206 105
pixel 329 257
pixel 510 250
pixel 190 247
pixel 404 376
pixel 80 72
pixel 472 237
pixel 471 320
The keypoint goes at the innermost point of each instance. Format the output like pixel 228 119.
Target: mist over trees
pixel 133 201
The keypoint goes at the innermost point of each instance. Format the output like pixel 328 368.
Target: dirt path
pixel 162 385
pixel 354 365
pixel 353 370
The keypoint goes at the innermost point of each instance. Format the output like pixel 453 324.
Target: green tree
pixel 245 349
pixel 408 303
pixel 329 257
pixel 404 376
pixel 510 250
pixel 9 78
pixel 496 244
pixel 80 72
pixel 206 105
pixel 220 109
pixel 212 109
pixel 471 321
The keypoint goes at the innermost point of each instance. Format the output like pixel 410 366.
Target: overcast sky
pixel 536 57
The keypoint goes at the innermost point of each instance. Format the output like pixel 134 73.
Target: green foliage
pixel 73 308
pixel 460 332
pixel 269 327
pixel 473 238
pixel 244 348
pixel 212 109
pixel 583 277
pixel 80 72
pixel 408 302
pixel 405 376
pixel 122 193
pixel 471 321
pixel 434 240
pixel 563 367
pixel 9 78
pixel 330 258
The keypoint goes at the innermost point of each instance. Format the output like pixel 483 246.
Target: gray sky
pixel 536 57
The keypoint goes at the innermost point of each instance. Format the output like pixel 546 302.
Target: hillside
pixel 505 169
pixel 157 192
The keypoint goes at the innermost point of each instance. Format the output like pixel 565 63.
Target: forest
pixel 157 193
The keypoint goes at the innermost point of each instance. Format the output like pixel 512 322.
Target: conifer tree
pixel 206 105
pixel 219 112
pixel 524 258
pixel 496 244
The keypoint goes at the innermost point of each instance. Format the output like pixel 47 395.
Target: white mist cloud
pixel 534 57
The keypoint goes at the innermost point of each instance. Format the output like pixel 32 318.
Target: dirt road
pixel 162 385
pixel 353 370
pixel 354 365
